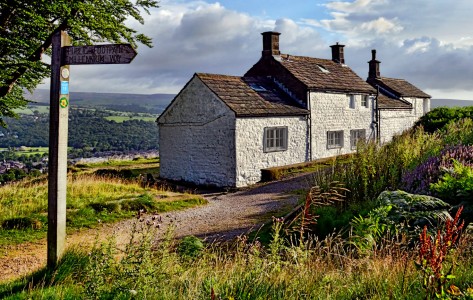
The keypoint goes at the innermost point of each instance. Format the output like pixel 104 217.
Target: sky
pixel 427 42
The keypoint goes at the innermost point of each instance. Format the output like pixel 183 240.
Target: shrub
pixel 419 179
pixel 190 247
pixel 441 116
pixel 456 184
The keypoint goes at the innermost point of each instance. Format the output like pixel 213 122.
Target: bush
pixel 190 247
pixel 456 184
pixel 418 180
pixel 441 116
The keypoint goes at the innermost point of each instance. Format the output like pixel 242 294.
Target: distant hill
pixel 450 103
pixel 154 103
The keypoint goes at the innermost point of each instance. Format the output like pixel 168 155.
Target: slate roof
pixel 337 77
pixel 385 102
pixel 240 97
pixel 399 87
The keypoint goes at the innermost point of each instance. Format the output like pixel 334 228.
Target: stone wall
pixel 396 121
pixel 250 155
pixel 332 112
pixel 197 138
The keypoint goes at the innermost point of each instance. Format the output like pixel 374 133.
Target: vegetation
pixel 90 200
pixel 441 116
pixel 369 255
pixel 27 27
pixel 89 132
pixel 318 269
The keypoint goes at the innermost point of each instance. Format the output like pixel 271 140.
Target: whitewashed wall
pixel 197 138
pixel 332 112
pixel 396 121
pixel 250 155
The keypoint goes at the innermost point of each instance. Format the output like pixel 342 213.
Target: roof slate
pixel 339 78
pixel 236 92
pixel 385 102
pixel 399 87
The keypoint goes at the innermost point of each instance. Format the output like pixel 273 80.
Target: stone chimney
pixel 271 43
pixel 338 55
pixel 374 66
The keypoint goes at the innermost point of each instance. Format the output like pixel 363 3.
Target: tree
pixel 27 27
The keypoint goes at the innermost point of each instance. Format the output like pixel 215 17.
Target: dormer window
pixel 323 69
pixel 257 87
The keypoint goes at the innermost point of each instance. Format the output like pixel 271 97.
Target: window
pixel 334 139
pixel 365 101
pixel 351 99
pixel 323 69
pixel 275 139
pixel 355 136
pixel 257 87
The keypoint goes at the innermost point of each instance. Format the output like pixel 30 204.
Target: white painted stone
pixel 394 122
pixel 201 140
pixel 250 155
pixel 197 138
pixel 332 112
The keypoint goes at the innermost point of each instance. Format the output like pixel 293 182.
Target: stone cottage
pixel 222 130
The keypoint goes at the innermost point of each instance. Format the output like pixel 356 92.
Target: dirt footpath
pixel 224 217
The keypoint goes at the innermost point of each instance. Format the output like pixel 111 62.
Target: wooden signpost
pixel 64 55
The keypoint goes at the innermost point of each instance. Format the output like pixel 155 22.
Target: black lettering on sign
pixel 115 58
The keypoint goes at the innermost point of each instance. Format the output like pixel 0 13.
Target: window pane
pixel 275 139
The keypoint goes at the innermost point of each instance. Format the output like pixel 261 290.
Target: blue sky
pixel 427 42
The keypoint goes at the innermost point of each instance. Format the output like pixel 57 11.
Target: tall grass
pixel 319 269
pixel 25 198
pixel 91 200
pixel 374 168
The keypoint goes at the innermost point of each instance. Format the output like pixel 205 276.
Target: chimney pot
pixel 373 72
pixel 338 55
pixel 271 43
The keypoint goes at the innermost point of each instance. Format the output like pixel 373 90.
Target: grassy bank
pixel 91 200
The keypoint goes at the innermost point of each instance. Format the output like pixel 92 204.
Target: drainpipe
pixel 309 120
pixel 378 117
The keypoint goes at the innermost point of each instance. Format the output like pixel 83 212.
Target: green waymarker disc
pixel 63 102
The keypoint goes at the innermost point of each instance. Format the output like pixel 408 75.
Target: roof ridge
pixel 305 57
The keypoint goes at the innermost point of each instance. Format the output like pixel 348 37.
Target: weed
pixel 433 260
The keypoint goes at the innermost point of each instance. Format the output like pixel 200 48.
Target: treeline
pixel 88 130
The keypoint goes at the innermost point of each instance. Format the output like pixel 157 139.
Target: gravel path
pixel 224 217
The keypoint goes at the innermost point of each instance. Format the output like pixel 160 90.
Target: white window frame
pixel 275 139
pixel 351 101
pixel 365 100
pixel 335 139
pixel 355 136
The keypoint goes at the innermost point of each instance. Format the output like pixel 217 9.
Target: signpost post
pixel 64 55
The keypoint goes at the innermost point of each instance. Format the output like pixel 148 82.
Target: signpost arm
pixel 57 165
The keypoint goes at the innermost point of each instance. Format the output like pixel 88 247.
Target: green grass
pixel 90 200
pixel 328 269
pixel 42 109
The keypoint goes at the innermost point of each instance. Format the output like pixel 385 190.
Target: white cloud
pixel 429 43
pixel 381 26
